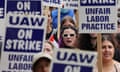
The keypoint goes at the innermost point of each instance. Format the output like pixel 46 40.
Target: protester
pixel 41 62
pixel 51 34
pixel 68 21
pixel 63 13
pixel 108 49
pixel 49 30
pixel 116 39
pixel 48 47
pixel 69 37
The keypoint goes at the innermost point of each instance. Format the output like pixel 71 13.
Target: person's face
pixel 42 66
pixel 48 48
pixel 107 50
pixel 49 18
pixel 69 37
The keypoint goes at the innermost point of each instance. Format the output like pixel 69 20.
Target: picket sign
pixel 69 60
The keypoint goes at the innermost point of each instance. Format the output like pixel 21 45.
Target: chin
pixel 107 59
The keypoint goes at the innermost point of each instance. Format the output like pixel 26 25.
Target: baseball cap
pixel 40 55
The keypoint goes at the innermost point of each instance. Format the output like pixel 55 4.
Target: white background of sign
pixel 5 54
pixel 70 4
pixel 83 18
pixel 53 4
pixel 70 55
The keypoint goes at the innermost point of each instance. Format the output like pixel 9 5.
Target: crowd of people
pixel 70 38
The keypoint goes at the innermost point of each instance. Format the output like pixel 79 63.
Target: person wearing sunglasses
pixel 69 37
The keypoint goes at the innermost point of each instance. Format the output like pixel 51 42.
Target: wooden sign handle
pixel 99 50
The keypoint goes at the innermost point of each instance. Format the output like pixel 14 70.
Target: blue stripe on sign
pixel 59 67
pixel 23 40
pixel 1 9
pixel 1 3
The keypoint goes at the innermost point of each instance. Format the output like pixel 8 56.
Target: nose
pixel 45 69
pixel 68 36
pixel 106 49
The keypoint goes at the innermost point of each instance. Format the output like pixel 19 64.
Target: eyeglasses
pixel 68 35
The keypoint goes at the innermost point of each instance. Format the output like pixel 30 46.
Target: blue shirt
pixel 63 12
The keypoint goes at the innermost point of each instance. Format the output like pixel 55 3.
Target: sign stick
pixel 77 17
pixel 99 50
pixel 58 33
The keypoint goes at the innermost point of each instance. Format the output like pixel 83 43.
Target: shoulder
pixel 116 62
pixel 117 65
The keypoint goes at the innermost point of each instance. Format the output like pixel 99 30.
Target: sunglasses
pixel 68 35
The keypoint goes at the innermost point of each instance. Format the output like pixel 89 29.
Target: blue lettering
pixel 14 57
pixel 73 57
pixel 97 26
pixel 61 56
pixel 38 21
pixel 10 66
pixel 14 20
pixel 97 18
pixel 20 66
pixel 97 11
pixel 15 66
pixel 34 21
pixel 24 21
pixel 84 26
pixel 86 57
